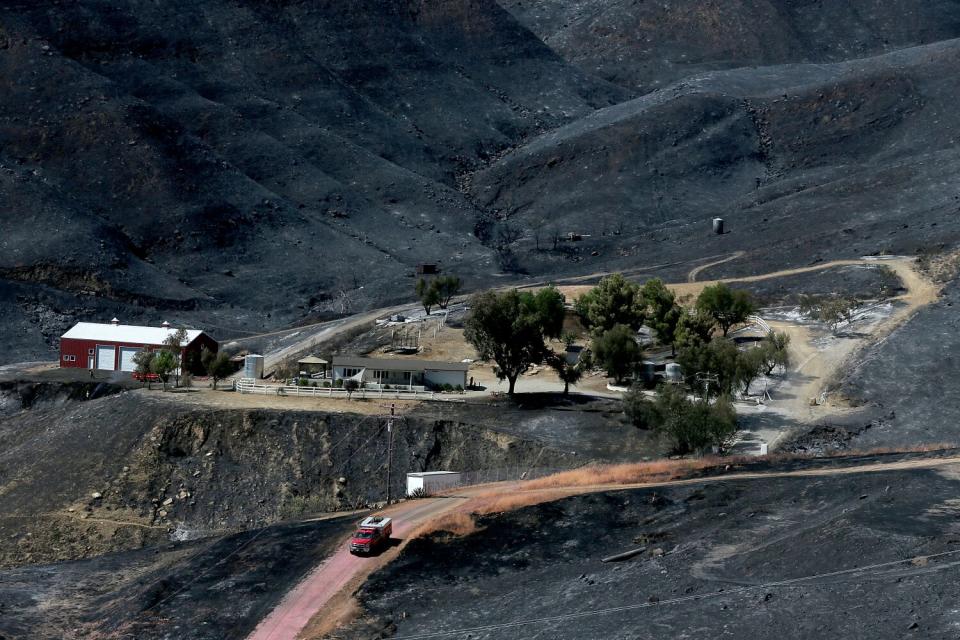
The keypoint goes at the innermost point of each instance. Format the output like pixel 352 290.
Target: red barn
pixel 111 347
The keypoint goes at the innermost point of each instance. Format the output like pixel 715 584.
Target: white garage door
pixel 126 358
pixel 106 358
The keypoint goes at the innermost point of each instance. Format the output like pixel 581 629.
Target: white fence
pixel 249 385
pixel 760 322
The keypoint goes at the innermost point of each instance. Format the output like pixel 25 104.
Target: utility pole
pixel 389 449
pixel 707 378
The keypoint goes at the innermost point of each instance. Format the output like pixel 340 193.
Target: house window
pixel 380 375
pixel 69 358
pixel 349 372
pixel 89 352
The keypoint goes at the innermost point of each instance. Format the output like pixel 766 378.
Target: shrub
pixel 418 494
pixel 458 388
pixel 641 411
pixel 694 425
pixel 447 387
pixel 338 383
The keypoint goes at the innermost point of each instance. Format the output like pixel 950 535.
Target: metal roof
pixel 398 364
pixel 126 333
pixel 312 360
pixel 422 474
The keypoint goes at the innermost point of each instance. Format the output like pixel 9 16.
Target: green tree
pixel 833 310
pixel 692 425
pixel 163 364
pixel 617 351
pixel 663 311
pixel 447 287
pixel 718 359
pixel 569 374
pixel 614 300
pixel 509 328
pixel 550 307
pixel 727 306
pixel 750 364
pixel 143 361
pixel 217 365
pixel 350 385
pixel 640 410
pixel 694 329
pixel 174 344
pixel 776 351
pixel 428 294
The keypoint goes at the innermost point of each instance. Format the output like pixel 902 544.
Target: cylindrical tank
pixel 253 366
pixel 718 226
pixel 673 373
pixel 647 371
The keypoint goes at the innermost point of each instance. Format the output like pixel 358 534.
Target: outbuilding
pixel 111 347
pixel 430 482
pixel 312 365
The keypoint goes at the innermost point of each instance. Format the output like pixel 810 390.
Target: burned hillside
pixel 245 165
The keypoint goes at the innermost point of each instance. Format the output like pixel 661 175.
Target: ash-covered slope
pixel 804 162
pixel 195 155
pixel 647 45
pixel 242 165
pixel 119 472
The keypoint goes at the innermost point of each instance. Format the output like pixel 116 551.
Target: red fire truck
pixel 372 535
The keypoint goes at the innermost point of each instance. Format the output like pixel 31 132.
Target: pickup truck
pixel 372 534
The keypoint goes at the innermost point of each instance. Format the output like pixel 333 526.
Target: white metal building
pixel 432 481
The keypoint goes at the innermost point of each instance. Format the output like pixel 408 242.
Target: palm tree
pixel 568 373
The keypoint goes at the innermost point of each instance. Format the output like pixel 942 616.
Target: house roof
pixel 312 360
pixel 398 364
pixel 126 333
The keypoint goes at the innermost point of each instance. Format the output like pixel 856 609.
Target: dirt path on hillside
pixel 692 276
pixel 325 596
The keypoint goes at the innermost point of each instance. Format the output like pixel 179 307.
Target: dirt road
pixel 308 605
pixel 302 603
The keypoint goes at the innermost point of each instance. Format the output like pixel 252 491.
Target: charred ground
pixel 773 558
pixel 242 165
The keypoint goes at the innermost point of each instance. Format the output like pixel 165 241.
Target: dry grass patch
pixel 459 523
pixel 632 473
pixel 463 521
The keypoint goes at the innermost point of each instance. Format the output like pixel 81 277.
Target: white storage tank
pixel 253 366
pixel 673 373
pixel 432 481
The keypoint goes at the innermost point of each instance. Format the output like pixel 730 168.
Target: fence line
pixel 760 322
pixel 249 385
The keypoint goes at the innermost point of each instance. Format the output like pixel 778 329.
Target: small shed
pixel 428 269
pixel 312 365
pixel 432 481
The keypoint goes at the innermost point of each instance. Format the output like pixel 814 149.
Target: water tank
pixel 673 373
pixel 718 226
pixel 647 371
pixel 253 366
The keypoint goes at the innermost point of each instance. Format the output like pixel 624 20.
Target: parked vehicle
pixel 372 535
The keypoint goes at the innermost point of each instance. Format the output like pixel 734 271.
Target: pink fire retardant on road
pixel 303 602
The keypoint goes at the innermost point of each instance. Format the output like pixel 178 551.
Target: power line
pixel 646 605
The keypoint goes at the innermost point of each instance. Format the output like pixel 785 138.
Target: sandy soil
pixel 227 399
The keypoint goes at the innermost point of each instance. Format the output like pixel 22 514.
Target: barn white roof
pixel 126 333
